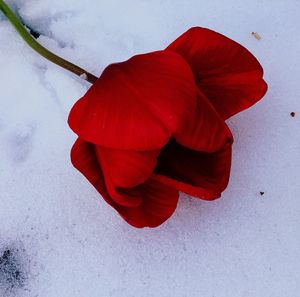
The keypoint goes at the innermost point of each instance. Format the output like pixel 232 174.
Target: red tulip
pixel 154 125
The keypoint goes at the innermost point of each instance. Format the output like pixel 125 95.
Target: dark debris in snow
pixel 12 273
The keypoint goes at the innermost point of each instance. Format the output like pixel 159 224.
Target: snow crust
pixel 64 241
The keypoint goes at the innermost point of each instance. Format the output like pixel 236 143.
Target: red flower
pixel 154 125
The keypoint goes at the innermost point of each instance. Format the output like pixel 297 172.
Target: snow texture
pixel 59 239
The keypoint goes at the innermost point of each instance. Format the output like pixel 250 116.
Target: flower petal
pixel 136 104
pixel 159 201
pixel 205 130
pixel 200 174
pixel 125 169
pixel 228 74
pixel 83 158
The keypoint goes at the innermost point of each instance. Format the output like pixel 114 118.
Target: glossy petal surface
pixel 127 168
pixel 83 158
pixel 228 74
pixel 205 130
pixel 158 200
pixel 200 174
pixel 136 104
pixel 159 203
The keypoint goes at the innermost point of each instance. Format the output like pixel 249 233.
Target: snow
pixel 65 241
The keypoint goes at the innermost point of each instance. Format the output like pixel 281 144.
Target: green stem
pixel 40 49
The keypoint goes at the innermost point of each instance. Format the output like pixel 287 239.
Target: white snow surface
pixel 65 241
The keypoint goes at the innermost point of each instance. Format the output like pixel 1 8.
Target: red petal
pixel 136 104
pixel 205 130
pixel 204 175
pixel 125 169
pixel 228 74
pixel 159 201
pixel 83 158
